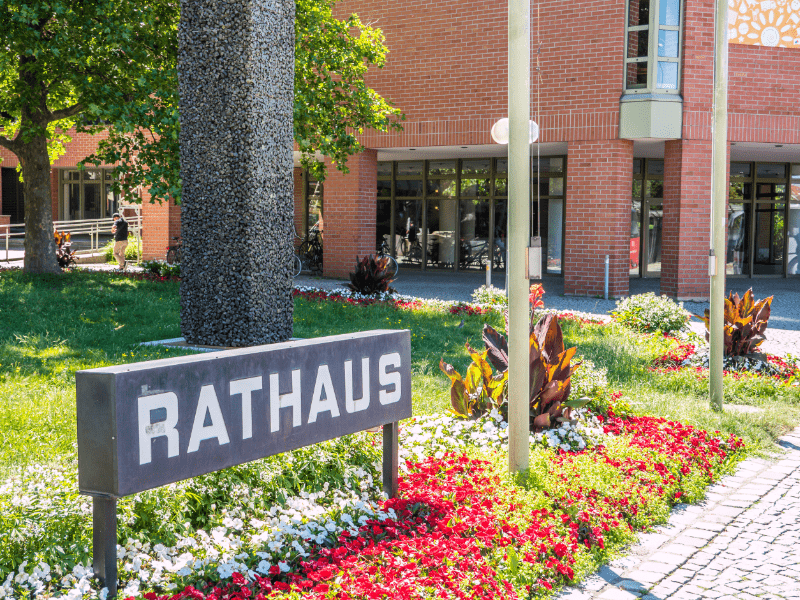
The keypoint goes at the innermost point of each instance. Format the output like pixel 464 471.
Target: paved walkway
pixel 742 542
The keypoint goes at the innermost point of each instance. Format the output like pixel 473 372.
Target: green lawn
pixel 52 326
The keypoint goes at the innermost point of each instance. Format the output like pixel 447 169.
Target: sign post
pixel 145 425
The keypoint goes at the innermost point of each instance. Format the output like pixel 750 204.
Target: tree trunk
pixel 40 248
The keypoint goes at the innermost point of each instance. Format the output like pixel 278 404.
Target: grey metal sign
pixel 148 424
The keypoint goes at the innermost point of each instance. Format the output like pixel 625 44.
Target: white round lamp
pixel 500 131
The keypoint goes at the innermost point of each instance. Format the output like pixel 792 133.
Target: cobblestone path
pixel 742 542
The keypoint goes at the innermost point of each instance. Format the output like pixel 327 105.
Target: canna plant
pixel 65 255
pixel 745 323
pixel 372 276
pixel 550 373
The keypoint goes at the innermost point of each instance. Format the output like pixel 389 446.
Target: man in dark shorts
pixel 120 231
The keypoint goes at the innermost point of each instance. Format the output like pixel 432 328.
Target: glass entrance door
pixel 647 216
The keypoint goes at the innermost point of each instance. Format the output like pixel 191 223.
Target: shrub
pixel 130 251
pixel 161 268
pixel 745 323
pixel 490 295
pixel 648 313
pixel 372 276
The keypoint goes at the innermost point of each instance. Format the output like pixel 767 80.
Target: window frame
pixel 653 28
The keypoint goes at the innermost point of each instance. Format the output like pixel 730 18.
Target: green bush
pixel 490 295
pixel 648 313
pixel 130 251
pixel 162 268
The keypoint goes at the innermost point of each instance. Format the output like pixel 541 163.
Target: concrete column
pixel 599 179
pixel 350 203
pixel 236 85
pixel 687 213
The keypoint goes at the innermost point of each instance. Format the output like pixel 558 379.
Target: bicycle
pixel 383 252
pixel 175 252
pixel 309 253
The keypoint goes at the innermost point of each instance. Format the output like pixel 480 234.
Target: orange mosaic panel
pixel 773 23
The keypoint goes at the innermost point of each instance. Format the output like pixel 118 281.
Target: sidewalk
pixel 742 542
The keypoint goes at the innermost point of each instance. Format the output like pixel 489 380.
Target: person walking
pixel 120 231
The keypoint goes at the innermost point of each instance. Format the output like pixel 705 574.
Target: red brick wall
pixel 599 180
pixel 350 204
pixel 447 68
pixel 5 220
pixel 161 222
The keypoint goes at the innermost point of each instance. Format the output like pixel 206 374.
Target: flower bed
pixel 460 527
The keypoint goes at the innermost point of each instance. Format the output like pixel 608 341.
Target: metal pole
pixel 605 281
pixel 719 193
pixel 104 542
pixel 519 199
pixel 489 273
pixel 391 458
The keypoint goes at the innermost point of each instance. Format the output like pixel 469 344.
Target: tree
pixel 110 65
pixel 60 60
pixel 333 104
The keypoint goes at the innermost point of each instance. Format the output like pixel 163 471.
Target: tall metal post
pixel 104 542
pixel 519 114
pixel 719 195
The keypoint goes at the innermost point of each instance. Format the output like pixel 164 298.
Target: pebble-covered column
pixel 236 84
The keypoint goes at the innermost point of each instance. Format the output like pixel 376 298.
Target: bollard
pixel 489 274
pixel 605 284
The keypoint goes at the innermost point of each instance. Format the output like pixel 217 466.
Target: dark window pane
pixel 442 187
pixel 667 75
pixel 112 201
pixel 772 171
pixel 637 189
pixel 741 170
pixel 655 167
pixel 548 164
pixel 72 197
pixel 501 166
pixel 442 167
pixel 476 167
pixel 409 188
pixel 636 75
pixel 384 169
pixel 637 166
pixel 554 240
pixel 638 12
pixel 774 192
pixel 474 247
pixel 384 188
pixel 441 233
pixel 501 187
pixel 655 217
pixel 637 44
pixel 500 230
pixel 108 176
pixel 407 169
pixel 740 191
pixel 654 188
pixel 74 176
pixel 737 259
pixel 668 43
pixel 475 187
pixel 407 228
pixel 769 240
pixel 383 221
pixel 670 12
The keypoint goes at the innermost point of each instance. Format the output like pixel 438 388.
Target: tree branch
pixel 8 144
pixel 64 113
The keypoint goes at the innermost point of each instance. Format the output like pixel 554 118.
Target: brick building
pixel 623 101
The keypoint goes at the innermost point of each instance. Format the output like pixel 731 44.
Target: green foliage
pixel 490 295
pixel 745 323
pixel 130 250
pixel 479 391
pixel 332 103
pixel 648 313
pixel 372 275
pixel 162 268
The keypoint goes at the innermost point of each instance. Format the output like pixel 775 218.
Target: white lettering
pixel 387 379
pixel 246 387
pixel 208 404
pixel 278 401
pixel 149 431
pixel 323 385
pixel 350 404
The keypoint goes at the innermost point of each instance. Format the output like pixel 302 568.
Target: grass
pixel 52 326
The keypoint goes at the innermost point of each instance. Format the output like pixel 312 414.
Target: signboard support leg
pixel 391 458
pixel 104 540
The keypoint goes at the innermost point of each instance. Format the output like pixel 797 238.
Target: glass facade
pixel 653 46
pixel 647 216
pixel 452 214
pixel 87 194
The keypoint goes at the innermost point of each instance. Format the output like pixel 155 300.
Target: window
pixel 87 194
pixel 653 46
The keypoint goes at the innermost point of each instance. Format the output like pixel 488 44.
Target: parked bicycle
pixel 476 256
pixel 175 252
pixel 309 252
pixel 383 251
